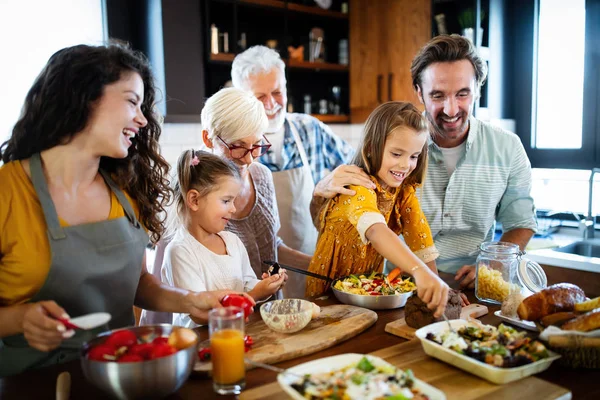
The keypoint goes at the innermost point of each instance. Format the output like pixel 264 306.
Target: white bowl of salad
pixel 354 376
pixel 374 291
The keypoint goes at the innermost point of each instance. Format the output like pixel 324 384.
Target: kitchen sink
pixel 580 254
pixel 585 248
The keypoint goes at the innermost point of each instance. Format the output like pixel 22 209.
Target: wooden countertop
pixel 40 384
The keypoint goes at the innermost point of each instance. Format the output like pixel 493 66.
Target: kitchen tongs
pixel 274 268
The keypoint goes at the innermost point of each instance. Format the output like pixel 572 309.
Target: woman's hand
pixel 269 285
pixel 432 290
pixel 40 328
pixel 200 303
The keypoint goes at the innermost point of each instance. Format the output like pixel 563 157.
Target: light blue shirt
pixel 492 182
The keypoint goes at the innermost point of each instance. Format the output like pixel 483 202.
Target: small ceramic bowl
pixel 287 315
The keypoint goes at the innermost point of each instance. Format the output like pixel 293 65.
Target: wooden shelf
pixel 314 10
pixel 265 3
pixel 228 58
pixel 316 65
pixel 332 119
pixel 222 57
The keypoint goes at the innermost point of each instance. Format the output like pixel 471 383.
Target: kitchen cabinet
pixel 384 37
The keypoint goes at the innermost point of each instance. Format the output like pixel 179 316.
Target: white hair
pixel 255 60
pixel 233 114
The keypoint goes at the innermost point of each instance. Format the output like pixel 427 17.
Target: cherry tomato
pixel 236 300
pixel 248 343
pixel 161 340
pixel 143 350
pixel 204 354
pixel 375 293
pixel 102 352
pixel 130 358
pixel 122 338
pixel 162 350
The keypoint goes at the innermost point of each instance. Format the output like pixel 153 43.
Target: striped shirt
pixel 492 182
pixel 324 149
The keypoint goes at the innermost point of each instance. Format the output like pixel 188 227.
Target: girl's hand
pixel 432 290
pixel 40 328
pixel 269 285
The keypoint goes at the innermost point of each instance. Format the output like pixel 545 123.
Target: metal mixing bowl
pixel 145 379
pixel 384 302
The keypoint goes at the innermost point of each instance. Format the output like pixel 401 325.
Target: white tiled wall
pixel 179 137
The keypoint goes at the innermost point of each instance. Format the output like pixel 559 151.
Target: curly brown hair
pixel 59 105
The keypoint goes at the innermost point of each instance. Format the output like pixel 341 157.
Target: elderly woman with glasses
pixel 233 123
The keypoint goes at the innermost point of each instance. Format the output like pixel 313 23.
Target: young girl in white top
pixel 202 256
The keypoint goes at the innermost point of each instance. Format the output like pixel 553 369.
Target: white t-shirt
pixel 188 264
pixel 452 155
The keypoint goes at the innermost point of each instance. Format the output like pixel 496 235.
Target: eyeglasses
pixel 238 152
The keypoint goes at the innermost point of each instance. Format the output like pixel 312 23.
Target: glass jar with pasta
pixel 501 270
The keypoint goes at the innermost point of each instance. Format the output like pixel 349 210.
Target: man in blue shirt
pixel 303 149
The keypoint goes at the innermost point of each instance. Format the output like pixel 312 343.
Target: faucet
pixel 588 224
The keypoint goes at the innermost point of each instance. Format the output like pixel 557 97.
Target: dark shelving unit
pixel 288 23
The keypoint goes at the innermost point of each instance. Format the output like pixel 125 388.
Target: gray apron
pixel 95 267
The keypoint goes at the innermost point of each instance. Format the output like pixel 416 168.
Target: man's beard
pixel 437 130
pixel 276 123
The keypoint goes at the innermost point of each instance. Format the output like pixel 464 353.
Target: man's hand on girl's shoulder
pixel 336 181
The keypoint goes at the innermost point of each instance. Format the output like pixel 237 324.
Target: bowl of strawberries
pixel 150 361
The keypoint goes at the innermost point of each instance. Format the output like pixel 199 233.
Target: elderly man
pixel 477 174
pixel 303 148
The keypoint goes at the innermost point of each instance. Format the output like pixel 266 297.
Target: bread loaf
pixel 553 299
pixel 558 318
pixel 587 322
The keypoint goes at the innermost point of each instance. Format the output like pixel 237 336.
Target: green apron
pixel 95 267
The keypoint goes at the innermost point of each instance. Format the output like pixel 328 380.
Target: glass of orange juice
pixel 226 328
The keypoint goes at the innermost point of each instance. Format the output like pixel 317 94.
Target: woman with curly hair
pixel 83 184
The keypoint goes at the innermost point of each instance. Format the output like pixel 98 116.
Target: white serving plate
pixel 530 326
pixel 488 372
pixel 336 362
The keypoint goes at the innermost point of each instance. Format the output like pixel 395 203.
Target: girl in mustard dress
pixel 357 232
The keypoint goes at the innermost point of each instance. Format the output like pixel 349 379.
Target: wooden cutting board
pixel 454 382
pixel 335 324
pixel 399 327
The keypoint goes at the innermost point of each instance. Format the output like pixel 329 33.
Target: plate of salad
pixel 375 291
pixel 354 376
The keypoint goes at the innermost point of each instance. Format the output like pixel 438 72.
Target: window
pixel 31 32
pixel 560 74
pixel 565 132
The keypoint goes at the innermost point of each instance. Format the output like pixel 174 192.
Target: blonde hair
pixel 233 114
pixel 255 60
pixel 202 175
pixel 380 124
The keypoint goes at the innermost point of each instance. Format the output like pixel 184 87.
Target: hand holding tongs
pixel 274 267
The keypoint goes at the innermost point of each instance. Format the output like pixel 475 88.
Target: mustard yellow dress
pixel 343 249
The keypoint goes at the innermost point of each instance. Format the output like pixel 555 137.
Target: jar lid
pixel 532 276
